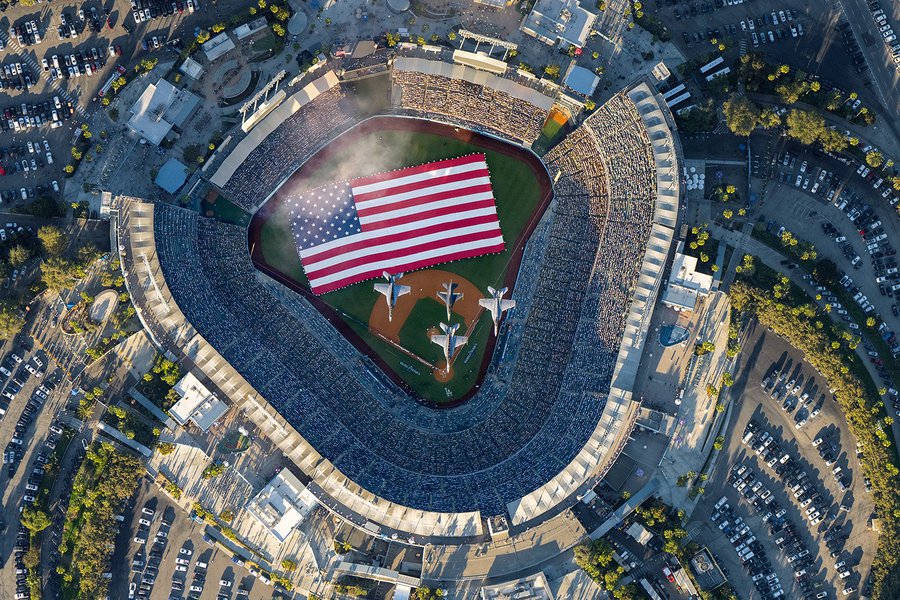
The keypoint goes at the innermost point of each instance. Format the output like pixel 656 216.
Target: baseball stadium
pixel 400 346
pixel 524 418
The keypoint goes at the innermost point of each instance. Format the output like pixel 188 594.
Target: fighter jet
pixel 391 291
pixel 497 305
pixel 449 297
pixel 449 342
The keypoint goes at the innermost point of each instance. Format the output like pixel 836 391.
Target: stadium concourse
pixel 548 420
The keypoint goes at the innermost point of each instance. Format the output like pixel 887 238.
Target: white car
pixel 181 568
pixel 16 357
pixel 148 511
pixel 225 583
pixel 186 551
pixel 132 587
pixel 144 522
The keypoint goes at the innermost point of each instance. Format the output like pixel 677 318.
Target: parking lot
pixel 793 478
pixel 167 556
pixel 54 61
pixel 794 33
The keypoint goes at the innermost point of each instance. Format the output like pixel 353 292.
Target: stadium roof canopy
pixel 172 175
pixel 161 107
pixel 559 21
pixel 269 124
pixel 217 47
pixel 479 61
pixel 582 81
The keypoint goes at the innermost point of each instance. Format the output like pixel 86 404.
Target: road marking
pixel 53 84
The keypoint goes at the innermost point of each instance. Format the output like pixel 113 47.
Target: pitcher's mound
pixel 441 374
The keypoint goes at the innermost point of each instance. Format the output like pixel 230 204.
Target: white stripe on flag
pixel 389 183
pixel 372 235
pixel 459 201
pixel 396 246
pixel 425 191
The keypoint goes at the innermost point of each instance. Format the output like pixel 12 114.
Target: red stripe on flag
pixel 411 266
pixel 428 214
pixel 419 200
pixel 399 237
pixel 392 254
pixel 434 166
pixel 418 185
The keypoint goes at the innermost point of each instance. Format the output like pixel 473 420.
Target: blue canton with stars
pixel 322 214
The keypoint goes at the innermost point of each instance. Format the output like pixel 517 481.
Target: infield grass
pixel 517 192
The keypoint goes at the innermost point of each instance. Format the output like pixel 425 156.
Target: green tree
pixel 52 240
pixel 148 64
pixel 34 520
pixel 719 442
pixel 551 71
pixel 288 565
pixel 874 158
pixel 833 140
pixel 58 273
pixel 805 126
pixel 11 322
pixel 278 29
pixel 741 115
pixel 18 255
pixel 203 36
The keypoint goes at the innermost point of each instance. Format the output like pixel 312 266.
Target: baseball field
pixel 402 346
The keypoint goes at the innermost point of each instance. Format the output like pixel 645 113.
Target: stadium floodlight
pixel 465 34
pixel 261 94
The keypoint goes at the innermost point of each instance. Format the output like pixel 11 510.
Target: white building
pixel 197 405
pixel 282 505
pixel 534 587
pixel 161 107
pixel 686 284
pixel 559 22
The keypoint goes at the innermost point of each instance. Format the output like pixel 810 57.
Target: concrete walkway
pixel 159 414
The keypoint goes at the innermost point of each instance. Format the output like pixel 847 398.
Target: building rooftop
pixel 191 68
pixel 198 404
pixel 581 81
pixel 172 175
pixel 282 504
pixel 533 587
pixel 686 284
pixel 161 107
pixel 217 47
pixel 559 21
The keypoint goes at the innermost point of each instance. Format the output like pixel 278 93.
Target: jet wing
pixel 507 304
pixel 457 341
pixel 383 288
pixel 401 289
pixel 440 340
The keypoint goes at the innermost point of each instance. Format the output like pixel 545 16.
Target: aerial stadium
pixel 519 427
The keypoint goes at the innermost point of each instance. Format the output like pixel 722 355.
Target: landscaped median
pixel 784 308
pixel 107 478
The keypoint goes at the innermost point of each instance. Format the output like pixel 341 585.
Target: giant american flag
pixel 393 222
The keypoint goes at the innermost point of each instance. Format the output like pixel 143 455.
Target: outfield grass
pixel 517 192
